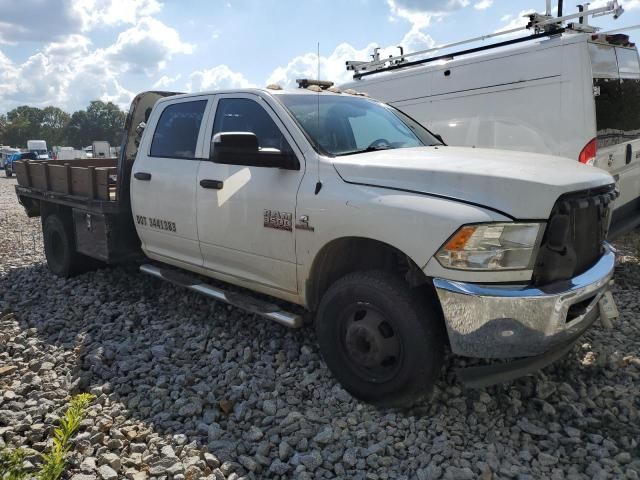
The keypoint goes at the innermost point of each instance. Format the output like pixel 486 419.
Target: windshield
pixel 348 125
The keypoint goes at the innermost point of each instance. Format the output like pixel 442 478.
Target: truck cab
pixel 396 244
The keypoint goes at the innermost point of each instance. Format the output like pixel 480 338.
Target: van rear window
pixel 616 81
pixel 603 61
pixel 628 63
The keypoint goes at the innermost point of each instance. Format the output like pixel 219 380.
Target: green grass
pixel 11 464
pixel 54 462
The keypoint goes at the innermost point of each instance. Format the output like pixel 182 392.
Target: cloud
pixel 483 4
pixel 415 40
pixel 68 70
pixel 146 47
pixel 332 67
pixel 96 13
pixel 50 20
pixel 420 12
pixel 627 4
pixel 430 6
pixel 515 21
pixel 219 77
pixel 68 74
pixel 166 81
pixel 37 20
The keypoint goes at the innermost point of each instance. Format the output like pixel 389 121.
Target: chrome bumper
pixel 491 321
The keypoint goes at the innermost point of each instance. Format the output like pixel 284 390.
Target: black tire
pixel 382 340
pixel 8 172
pixel 60 246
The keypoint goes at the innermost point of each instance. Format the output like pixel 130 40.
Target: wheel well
pixel 349 254
pixel 48 208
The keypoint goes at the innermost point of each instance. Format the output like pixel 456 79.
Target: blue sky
pixel 68 52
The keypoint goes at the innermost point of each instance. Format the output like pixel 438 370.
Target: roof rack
pixel 542 25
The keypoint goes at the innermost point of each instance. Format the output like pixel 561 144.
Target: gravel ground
pixel 187 388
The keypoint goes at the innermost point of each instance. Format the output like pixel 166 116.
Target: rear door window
pixel 628 64
pixel 616 78
pixel 603 61
pixel 176 134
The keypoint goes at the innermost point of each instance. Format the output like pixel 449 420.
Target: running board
pixel 245 302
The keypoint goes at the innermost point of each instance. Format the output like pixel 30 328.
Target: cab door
pixel 246 214
pixel 163 182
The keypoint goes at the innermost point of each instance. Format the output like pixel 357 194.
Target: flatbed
pixel 92 178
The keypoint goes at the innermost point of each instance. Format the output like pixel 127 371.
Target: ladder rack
pixel 542 25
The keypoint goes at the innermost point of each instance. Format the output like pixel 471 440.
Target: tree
pixel 23 123
pixel 53 124
pixel 101 121
pixel 3 126
pixel 75 131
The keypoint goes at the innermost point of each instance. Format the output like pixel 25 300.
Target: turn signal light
pixel 459 240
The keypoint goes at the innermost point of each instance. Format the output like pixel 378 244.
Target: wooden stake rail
pixel 89 178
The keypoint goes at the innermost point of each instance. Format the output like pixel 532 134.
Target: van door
pixel 163 182
pixel 246 214
pixel 616 80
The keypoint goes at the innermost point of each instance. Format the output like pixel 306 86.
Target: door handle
pixel 142 176
pixel 214 184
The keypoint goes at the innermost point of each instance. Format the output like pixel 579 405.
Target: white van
pixel 101 149
pixel 574 95
pixel 39 147
pixel 70 154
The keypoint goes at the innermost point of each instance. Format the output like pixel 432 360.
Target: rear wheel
pixel 380 339
pixel 60 246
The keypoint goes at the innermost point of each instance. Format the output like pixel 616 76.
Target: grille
pixel 573 240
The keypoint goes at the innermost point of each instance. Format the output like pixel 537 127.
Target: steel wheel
pixel 371 343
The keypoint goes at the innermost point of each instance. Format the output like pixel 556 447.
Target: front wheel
pixel 380 339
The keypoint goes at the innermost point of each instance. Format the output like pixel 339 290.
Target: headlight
pixel 493 246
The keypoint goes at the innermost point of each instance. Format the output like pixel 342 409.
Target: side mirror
pixel 241 148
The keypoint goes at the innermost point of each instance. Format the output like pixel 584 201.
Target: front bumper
pixel 492 321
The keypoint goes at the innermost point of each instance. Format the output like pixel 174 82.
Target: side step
pixel 245 302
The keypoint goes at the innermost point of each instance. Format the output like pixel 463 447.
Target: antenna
pixel 318 182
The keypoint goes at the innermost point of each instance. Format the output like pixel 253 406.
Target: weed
pixel 55 460
pixel 11 465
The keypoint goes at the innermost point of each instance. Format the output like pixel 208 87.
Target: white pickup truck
pixel 399 245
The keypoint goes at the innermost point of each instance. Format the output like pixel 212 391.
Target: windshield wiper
pixel 368 149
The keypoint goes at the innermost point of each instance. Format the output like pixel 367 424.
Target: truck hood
pixel 522 185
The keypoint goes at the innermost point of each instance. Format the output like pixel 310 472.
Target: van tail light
pixel 588 153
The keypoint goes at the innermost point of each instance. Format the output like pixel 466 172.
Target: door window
pixel 176 134
pixel 244 115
